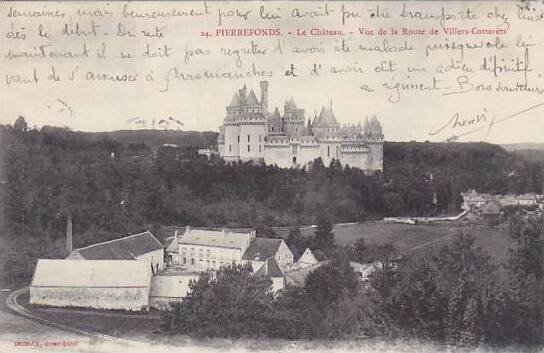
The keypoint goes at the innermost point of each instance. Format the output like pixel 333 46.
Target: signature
pixel 457 121
pixel 477 122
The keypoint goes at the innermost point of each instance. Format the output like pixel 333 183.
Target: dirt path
pixel 23 331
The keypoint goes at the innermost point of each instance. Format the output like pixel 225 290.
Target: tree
pixel 523 314
pixel 324 238
pixel 230 303
pixel 324 308
pixel 20 124
pixel 447 296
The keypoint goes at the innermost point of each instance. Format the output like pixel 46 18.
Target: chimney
pixel 264 95
pixel 69 235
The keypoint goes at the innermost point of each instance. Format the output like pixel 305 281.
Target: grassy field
pixel 406 236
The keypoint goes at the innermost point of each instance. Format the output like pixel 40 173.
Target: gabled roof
pixel 307 257
pixel 325 118
pixel 261 249
pixel 91 273
pixel 270 268
pixel 298 276
pixel 223 239
pixel 127 248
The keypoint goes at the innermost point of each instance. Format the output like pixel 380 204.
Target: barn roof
pixel 127 248
pixel 298 276
pixel 223 239
pixel 91 273
pixel 261 249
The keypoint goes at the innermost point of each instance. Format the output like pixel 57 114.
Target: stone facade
pixel 124 298
pixel 251 133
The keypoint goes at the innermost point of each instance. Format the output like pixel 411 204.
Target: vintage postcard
pixel 363 176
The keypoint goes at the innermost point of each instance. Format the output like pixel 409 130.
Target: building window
pixel 259 138
pixel 184 260
pixel 230 148
pixel 248 148
pixel 328 151
pixel 259 148
pixel 192 261
pixel 248 138
pixel 238 138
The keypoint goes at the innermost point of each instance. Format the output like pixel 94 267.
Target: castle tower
pixel 264 96
pixel 245 127
pixel 373 135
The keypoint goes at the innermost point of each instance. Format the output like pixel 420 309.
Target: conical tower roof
pixel 252 99
pixel 325 118
pixel 235 102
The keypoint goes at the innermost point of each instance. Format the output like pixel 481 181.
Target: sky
pixel 436 89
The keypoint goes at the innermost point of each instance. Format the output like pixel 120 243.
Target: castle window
pixel 259 138
pixel 248 148
pixel 248 138
pixel 259 148
pixel 328 151
pixel 238 138
pixel 230 148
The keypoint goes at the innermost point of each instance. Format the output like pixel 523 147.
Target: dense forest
pixel 113 184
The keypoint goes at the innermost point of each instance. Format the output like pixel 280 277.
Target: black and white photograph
pixel 272 176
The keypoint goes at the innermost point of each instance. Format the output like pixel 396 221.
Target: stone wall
pixel 121 298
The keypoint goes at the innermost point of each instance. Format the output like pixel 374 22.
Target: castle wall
pixel 232 151
pixel 355 159
pixel 279 155
pixel 329 150
pixel 307 154
pixel 252 141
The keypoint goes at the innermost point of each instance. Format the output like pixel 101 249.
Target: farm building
pixel 262 249
pixel 99 284
pixel 208 249
pixel 170 286
pixel 142 246
pixel 307 259
pixel 271 269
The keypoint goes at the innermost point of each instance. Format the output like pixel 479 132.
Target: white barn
pixel 99 284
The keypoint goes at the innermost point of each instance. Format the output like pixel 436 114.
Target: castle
pixel 251 133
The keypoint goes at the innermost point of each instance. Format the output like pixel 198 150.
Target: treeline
pixel 112 185
pixel 454 295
